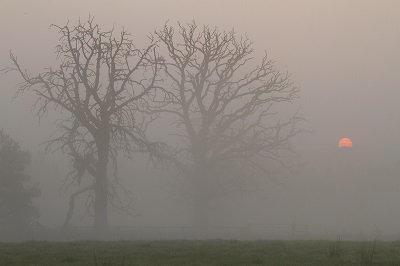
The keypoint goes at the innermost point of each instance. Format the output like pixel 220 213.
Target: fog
pixel 343 55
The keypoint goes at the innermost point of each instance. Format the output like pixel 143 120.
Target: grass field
pixel 216 252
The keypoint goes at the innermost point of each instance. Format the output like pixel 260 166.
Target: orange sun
pixel 345 143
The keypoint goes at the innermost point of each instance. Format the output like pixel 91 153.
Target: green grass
pixel 216 252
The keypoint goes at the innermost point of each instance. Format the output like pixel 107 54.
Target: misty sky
pixel 343 54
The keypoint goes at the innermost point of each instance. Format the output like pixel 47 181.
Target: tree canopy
pixel 17 211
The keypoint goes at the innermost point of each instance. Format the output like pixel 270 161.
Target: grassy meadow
pixel 216 252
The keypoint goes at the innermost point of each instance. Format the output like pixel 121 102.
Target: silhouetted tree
pixel 228 110
pixel 100 84
pixel 16 209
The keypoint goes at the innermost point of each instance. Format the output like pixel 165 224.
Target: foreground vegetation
pixel 216 252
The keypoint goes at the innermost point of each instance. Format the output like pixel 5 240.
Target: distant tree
pixel 227 111
pixel 100 84
pixel 16 209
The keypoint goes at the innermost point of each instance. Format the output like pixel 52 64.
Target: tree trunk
pixel 201 207
pixel 201 202
pixel 101 190
pixel 201 213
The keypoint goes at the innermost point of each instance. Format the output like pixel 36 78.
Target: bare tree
pixel 100 86
pixel 226 108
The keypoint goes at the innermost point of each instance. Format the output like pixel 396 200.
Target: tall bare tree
pixel 100 85
pixel 228 110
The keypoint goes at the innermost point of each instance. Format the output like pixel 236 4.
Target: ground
pixel 218 252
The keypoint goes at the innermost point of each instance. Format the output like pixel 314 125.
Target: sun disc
pixel 345 143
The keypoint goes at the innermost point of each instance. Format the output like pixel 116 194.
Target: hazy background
pixel 345 57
